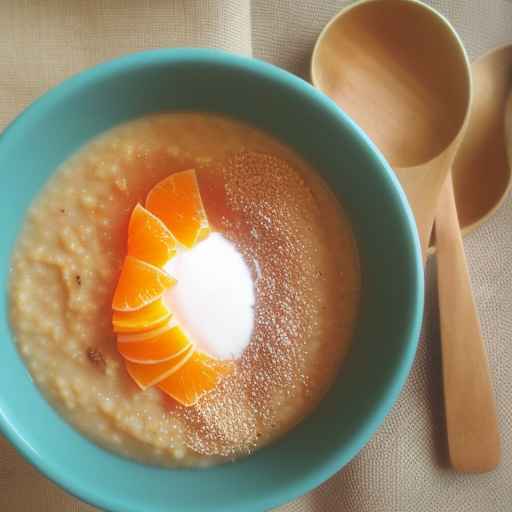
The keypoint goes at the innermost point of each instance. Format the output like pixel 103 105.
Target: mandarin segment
pixel 145 335
pixel 194 379
pixel 149 317
pixel 147 375
pixel 176 200
pixel 139 284
pixel 164 346
pixel 149 239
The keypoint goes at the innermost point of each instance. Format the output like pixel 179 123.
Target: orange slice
pixel 149 239
pixel 147 318
pixel 139 284
pixel 176 200
pixel 147 375
pixel 199 375
pixel 162 347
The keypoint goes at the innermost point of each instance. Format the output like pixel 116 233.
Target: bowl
pixel 65 118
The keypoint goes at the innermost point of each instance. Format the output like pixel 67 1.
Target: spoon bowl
pixel 366 60
pixel 482 174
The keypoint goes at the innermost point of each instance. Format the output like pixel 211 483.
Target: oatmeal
pixel 260 195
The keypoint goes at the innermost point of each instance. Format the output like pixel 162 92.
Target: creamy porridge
pixel 261 196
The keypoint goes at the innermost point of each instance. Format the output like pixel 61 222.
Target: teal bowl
pixel 383 350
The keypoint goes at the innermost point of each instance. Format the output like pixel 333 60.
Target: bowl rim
pixel 139 60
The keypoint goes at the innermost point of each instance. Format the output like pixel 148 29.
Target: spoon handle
pixel 472 427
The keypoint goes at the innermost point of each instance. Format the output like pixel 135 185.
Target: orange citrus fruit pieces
pixel 149 239
pixel 139 284
pixel 147 375
pixel 147 318
pixel 191 381
pixel 161 347
pixel 176 200
pixel 156 349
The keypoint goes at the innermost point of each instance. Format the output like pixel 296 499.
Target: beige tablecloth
pixel 404 467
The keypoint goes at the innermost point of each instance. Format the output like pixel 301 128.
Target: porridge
pixel 261 197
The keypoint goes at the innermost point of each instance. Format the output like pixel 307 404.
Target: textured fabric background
pixel 404 467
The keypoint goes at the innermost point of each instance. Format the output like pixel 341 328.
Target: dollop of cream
pixel 213 299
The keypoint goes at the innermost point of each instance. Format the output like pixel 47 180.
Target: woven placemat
pixel 404 467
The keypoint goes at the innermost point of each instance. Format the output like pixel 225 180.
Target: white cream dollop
pixel 213 299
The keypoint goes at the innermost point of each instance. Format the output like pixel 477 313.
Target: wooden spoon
pixel 413 100
pixel 481 179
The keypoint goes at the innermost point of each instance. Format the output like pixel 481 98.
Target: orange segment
pixel 162 347
pixel 149 239
pixel 176 200
pixel 139 284
pixel 144 335
pixel 147 318
pixel 147 375
pixel 194 379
